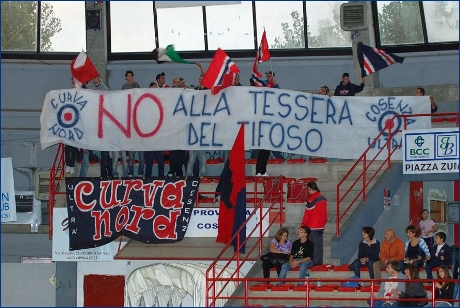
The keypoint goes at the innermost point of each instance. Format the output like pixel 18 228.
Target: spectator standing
pixel 130 83
pixel 197 156
pixel 161 79
pixel 315 217
pixel 70 152
pixel 106 161
pixel 392 248
pixel 324 90
pixel 158 156
pixel 263 155
pixel 427 228
pixel 176 157
pixel 301 255
pixel 346 88
pixel 421 92
pixel 368 253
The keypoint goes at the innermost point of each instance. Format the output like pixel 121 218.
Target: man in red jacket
pixel 315 217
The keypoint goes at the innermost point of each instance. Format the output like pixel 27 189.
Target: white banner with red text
pixel 276 119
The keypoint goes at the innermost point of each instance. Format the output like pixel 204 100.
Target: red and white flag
pixel 263 54
pixel 83 70
pixel 220 73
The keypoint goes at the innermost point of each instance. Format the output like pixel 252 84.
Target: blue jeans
pixel 379 303
pixel 224 155
pixel 115 163
pixel 84 163
pixel 159 156
pixel 278 154
pixel 356 267
pixel 194 155
pixel 140 156
pixel 304 266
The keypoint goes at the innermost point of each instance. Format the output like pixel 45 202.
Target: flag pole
pixel 106 88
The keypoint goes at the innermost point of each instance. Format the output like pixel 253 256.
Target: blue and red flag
pixel 263 54
pixel 372 59
pixel 220 73
pixel 232 188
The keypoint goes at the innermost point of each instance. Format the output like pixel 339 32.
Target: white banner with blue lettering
pixel 276 119
pixel 8 193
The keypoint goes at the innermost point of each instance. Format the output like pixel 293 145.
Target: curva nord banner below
pixel 276 119
pixel 151 211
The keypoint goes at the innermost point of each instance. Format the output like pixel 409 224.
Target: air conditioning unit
pixel 28 210
pixel 42 185
pixel 353 16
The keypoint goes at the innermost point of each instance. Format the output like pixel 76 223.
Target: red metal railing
pixel 213 275
pixel 365 161
pixel 56 175
pixel 308 294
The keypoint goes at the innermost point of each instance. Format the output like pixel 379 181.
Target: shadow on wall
pixel 367 214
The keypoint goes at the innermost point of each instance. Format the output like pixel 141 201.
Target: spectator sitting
pixel 301 255
pixel 368 253
pixel 387 287
pixel 392 248
pixel 416 250
pixel 444 289
pixel 279 250
pixel 414 289
pixel 441 254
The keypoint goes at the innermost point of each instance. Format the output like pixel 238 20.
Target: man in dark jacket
pixel 346 88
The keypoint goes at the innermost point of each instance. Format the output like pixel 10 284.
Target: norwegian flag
pixel 263 54
pixel 372 59
pixel 221 72
pixel 256 81
pixel 82 69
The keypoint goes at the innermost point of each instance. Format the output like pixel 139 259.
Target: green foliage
pixel 19 26
pixel 400 23
pixel 446 18
pixel 330 33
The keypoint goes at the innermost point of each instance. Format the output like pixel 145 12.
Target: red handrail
pixel 364 160
pixel 307 296
pixel 56 175
pixel 211 275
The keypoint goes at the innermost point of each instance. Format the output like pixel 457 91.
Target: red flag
pixel 232 188
pixel 263 54
pixel 221 72
pixel 83 69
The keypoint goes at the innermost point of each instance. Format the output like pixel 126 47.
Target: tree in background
pixel 400 22
pixel 329 33
pixel 19 26
pixel 446 15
